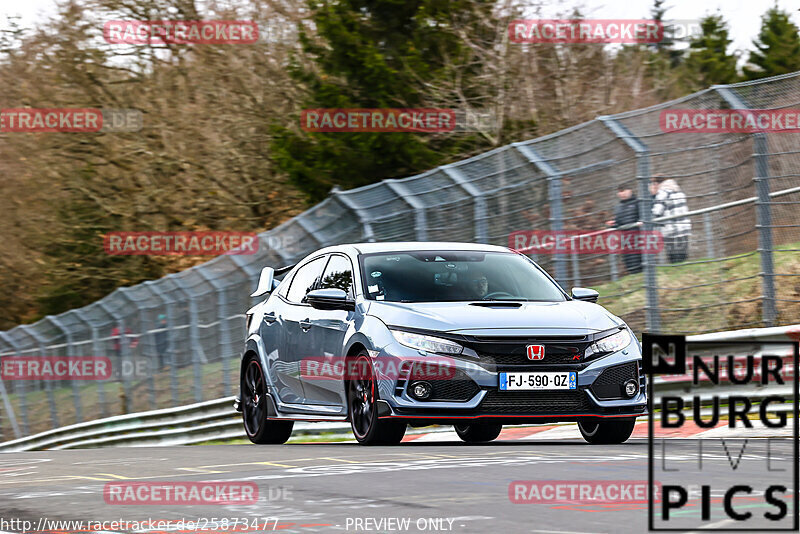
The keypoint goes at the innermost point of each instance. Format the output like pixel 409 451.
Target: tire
pixel 259 429
pixel 362 395
pixel 607 432
pixel 478 432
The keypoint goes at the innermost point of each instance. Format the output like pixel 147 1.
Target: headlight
pixel 426 343
pixel 611 343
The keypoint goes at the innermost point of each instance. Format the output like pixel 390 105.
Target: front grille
pixel 447 385
pixel 518 355
pixel 609 384
pixel 513 350
pixel 535 402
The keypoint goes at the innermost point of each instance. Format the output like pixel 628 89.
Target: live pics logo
pixel 738 401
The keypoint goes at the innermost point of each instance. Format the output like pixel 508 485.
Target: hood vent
pixel 496 304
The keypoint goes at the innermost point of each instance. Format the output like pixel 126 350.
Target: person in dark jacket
pixel 627 212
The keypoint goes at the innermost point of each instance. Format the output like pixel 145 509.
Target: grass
pixel 706 297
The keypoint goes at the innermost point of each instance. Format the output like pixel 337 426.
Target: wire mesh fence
pixel 178 339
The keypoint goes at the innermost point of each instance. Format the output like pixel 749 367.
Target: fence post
pixel 168 304
pixel 345 201
pixel 481 212
pixel 614 268
pixel 224 330
pixel 708 227
pixel 76 395
pixel 194 340
pixel 151 366
pixel 652 309
pixel 420 218
pixel 97 348
pixel 576 268
pixel 6 403
pixel 301 222
pixel 554 199
pixel 48 384
pixel 763 209
pixel 119 323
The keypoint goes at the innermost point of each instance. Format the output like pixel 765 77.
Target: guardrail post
pixel 119 323
pixel 194 337
pixel 173 372
pixel 76 395
pixel 481 212
pixel 420 218
pixel 554 199
pixel 652 310
pixel 6 403
pixel 769 312
pixel 48 384
pixel 97 348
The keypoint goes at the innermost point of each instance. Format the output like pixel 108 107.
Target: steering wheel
pixel 494 294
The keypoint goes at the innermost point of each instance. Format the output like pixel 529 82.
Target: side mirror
pixel 584 293
pixel 264 282
pixel 330 299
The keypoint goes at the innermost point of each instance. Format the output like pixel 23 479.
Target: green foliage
pixel 777 47
pixel 709 62
pixel 374 54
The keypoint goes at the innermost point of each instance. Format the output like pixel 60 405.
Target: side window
pixel 304 279
pixel 338 275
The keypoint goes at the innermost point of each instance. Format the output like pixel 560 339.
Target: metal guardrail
pixel 217 420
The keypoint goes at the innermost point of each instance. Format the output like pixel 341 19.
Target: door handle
pixel 305 325
pixel 270 318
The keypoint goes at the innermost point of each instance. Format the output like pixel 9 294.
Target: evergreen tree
pixel 709 62
pixel 777 47
pixel 373 54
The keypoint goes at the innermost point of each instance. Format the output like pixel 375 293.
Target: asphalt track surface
pixel 316 487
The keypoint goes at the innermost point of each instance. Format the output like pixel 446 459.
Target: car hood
pixel 563 318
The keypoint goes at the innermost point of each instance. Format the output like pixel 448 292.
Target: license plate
pixel 538 381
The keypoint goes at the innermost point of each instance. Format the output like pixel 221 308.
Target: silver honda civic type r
pixel 386 335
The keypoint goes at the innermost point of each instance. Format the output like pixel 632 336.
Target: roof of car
pixel 399 246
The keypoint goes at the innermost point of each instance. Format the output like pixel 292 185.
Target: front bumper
pixel 470 390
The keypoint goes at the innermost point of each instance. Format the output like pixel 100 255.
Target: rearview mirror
pixel 264 282
pixel 330 299
pixel 584 293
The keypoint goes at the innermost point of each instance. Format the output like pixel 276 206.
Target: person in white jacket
pixel 669 201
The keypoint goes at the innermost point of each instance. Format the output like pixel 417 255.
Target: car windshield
pixel 453 276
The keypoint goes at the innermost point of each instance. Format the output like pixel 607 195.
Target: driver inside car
pixel 478 284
